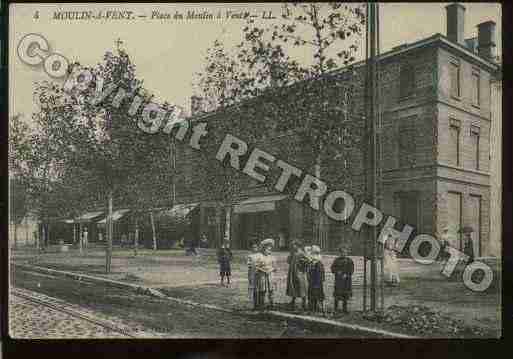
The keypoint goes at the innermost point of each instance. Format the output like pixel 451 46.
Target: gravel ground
pixel 196 279
pixel 29 320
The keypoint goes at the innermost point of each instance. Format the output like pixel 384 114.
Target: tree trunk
pixel 136 238
pixel 153 231
pixel 227 228
pixel 218 226
pixel 74 232
pixel 109 234
pixel 80 242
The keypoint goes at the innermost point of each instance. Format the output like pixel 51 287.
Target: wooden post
pixel 136 237
pixel 80 241
pixel 15 235
pixel 109 234
pixel 371 150
pixel 153 230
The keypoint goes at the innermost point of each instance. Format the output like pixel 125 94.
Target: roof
pixel 116 215
pixel 397 50
pixel 271 198
pixel 88 216
pixel 179 210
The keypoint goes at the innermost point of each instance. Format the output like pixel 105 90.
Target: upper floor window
pixel 454 143
pixel 454 71
pixel 474 138
pixel 476 84
pixel 407 142
pixel 406 81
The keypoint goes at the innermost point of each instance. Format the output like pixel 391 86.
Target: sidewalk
pixel 196 279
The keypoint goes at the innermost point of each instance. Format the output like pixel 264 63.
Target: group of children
pixel 305 279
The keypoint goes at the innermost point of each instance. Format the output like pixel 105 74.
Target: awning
pixel 179 211
pixel 86 217
pixel 115 215
pixel 258 204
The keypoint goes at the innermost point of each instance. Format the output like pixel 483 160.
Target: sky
pixel 168 53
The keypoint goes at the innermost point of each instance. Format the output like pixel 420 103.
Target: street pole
pixel 109 232
pixel 379 156
pixel 372 13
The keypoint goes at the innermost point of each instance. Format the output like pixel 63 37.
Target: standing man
pixel 468 244
pixel 203 241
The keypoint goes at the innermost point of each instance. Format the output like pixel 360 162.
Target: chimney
pixel 456 23
pixel 196 105
pixel 486 40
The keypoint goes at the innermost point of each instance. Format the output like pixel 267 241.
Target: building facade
pixel 436 109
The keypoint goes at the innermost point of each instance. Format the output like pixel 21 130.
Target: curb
pixel 156 293
pixel 109 282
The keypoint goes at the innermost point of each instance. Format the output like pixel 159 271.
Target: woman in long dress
pixel 264 274
pixel 252 259
pixel 391 267
pixel 297 282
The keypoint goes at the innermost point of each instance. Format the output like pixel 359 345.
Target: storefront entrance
pixel 255 227
pixel 258 218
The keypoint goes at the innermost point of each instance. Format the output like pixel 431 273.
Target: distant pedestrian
pixel 252 259
pixel 190 245
pixel 204 241
pixel 343 268
pixel 124 240
pixel 297 282
pixel 224 258
pixel 316 280
pixel 468 244
pixel 444 242
pixel 85 238
pixel 308 255
pixel 264 275
pixel 390 265
pixel 282 241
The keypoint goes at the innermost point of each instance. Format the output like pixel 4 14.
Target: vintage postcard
pixel 271 170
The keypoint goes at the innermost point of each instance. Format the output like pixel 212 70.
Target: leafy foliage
pixel 265 91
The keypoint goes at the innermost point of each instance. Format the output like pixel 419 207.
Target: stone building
pixel 436 125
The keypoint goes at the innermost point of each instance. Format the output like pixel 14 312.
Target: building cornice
pixel 434 40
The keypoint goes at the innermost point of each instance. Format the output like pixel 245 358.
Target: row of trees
pixel 81 154
pixel 264 89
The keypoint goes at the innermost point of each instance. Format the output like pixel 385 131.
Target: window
pixel 454 71
pixel 454 143
pixel 476 82
pixel 407 142
pixel 407 81
pixel 474 140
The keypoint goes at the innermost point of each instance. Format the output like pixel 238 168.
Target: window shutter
pixel 406 80
pixel 455 79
